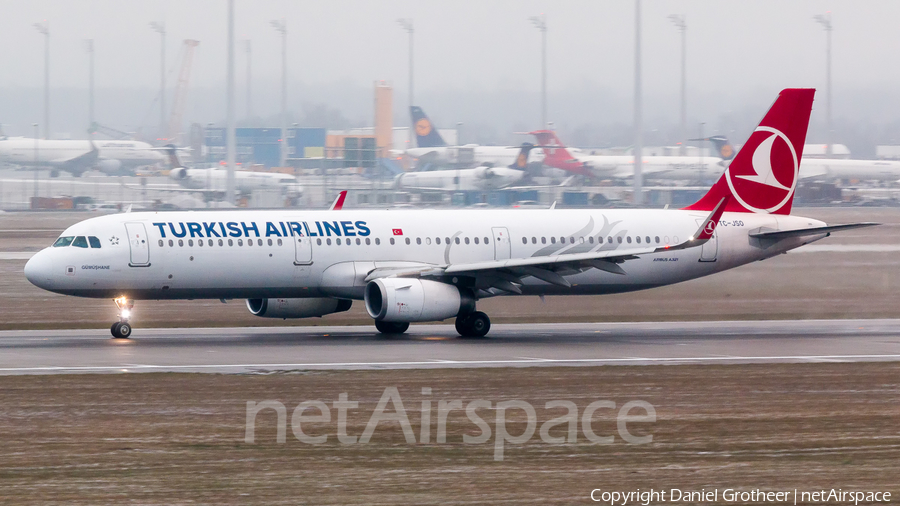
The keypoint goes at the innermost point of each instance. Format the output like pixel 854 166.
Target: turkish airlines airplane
pixel 558 156
pixel 77 157
pixel 431 265
pixel 433 149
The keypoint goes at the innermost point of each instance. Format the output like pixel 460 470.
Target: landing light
pixel 126 313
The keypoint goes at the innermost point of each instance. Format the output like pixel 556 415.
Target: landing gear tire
pixel 391 327
pixel 121 330
pixel 476 324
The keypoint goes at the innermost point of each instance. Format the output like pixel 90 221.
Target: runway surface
pixel 265 350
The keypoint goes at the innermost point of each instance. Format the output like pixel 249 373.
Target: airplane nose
pixel 37 270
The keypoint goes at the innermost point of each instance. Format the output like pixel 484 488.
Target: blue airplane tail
pixel 426 135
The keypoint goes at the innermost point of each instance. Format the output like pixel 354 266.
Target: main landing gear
pixel 475 324
pixel 122 329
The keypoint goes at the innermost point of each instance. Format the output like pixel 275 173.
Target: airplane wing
pixel 505 275
pixel 78 164
pixel 802 232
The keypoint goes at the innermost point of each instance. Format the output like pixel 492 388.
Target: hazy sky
pixel 462 47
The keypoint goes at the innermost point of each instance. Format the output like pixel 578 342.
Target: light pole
pixel 407 24
pixel 36 134
pixel 160 28
pixel 280 26
pixel 638 110
pixel 540 22
pixel 249 58
pixel 44 29
pixel 230 147
pixel 825 21
pixel 89 46
pixel 682 26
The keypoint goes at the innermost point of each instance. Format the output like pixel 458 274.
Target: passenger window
pixel 95 243
pixel 240 242
pixel 200 243
pixel 230 242
pixel 318 241
pixel 160 243
pixel 377 241
pixel 62 242
pixel 419 241
pixel 591 239
pixel 437 240
pixel 571 240
pixel 171 243
pixel 619 239
pixel 337 241
pixel 181 242
pixel 638 239
pixel 524 240
pixel 476 240
pixel 190 242
pixel 328 242
pixel 457 240
pixel 80 242
pixel 467 240
pixel 368 241
pixel 485 240
pixel 533 240
pixel 648 239
pixel 392 241
pixel 358 241
pixel 553 240
pixel 270 242
pixel 408 241
pixel 428 240
pixel 609 239
pixel 259 242
pixel 447 239
pixel 543 240
pixel 657 239
pixel 628 239
pixel 221 243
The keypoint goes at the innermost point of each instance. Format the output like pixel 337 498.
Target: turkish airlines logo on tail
pixel 768 182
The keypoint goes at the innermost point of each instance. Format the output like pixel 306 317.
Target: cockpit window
pixel 62 242
pixel 95 243
pixel 80 242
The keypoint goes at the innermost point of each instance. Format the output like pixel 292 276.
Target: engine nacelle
pixel 109 165
pixel 297 308
pixel 415 300
pixel 178 173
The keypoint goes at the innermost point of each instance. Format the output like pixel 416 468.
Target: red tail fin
pixel 763 176
pixel 556 155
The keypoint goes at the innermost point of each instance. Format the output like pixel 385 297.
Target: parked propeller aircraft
pixel 431 265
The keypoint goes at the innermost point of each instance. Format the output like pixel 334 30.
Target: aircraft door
pixel 139 244
pixel 710 248
pixel 502 244
pixel 303 249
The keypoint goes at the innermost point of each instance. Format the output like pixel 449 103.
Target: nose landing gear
pixel 122 329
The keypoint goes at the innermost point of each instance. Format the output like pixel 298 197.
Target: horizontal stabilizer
pixel 801 232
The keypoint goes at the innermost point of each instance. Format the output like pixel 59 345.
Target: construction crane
pixel 181 89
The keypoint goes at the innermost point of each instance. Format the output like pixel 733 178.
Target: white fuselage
pixel 477 179
pixel 297 254
pixel 245 181
pixel 472 154
pixel 28 152
pixel 825 169
pixel 655 167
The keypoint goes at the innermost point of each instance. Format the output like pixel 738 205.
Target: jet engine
pixel 415 300
pixel 297 308
pixel 109 165
pixel 178 173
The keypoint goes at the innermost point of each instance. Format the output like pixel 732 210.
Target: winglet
pixel 339 201
pixel 706 230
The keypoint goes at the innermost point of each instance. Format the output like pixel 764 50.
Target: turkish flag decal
pixel 398 231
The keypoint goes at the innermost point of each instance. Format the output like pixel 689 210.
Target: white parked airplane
pixel 431 265
pixel 76 156
pixel 478 179
pixel 215 180
pixel 558 156
pixel 433 149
